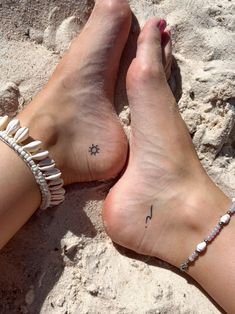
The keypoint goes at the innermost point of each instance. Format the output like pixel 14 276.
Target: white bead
pixel 13 126
pixel 214 233
pixel 21 135
pixel 33 146
pixel 232 210
pixel 201 246
pixel 46 162
pixel 209 238
pixel 3 122
pixel 193 256
pixel 225 219
pixel 40 155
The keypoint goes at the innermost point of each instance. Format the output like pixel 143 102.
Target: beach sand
pixel 62 262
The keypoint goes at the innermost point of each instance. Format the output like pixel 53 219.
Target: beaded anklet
pixel 224 220
pixel 42 167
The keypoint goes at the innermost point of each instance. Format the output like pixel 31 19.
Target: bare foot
pixel 74 115
pixel 165 203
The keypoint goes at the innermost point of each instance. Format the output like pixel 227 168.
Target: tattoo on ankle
pixel 150 216
pixel 94 149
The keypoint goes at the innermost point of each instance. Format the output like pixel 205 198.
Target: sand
pixel 62 261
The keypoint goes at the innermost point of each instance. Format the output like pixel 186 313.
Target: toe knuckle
pixel 117 7
pixel 141 39
pixel 149 71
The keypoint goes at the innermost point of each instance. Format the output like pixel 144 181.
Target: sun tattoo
pixel 94 150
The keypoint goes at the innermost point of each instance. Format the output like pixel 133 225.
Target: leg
pixel 165 203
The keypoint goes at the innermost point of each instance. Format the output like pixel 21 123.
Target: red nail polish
pixel 164 39
pixel 161 25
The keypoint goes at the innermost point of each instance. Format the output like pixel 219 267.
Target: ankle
pixel 45 126
pixel 200 213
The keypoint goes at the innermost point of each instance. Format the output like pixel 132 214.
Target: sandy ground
pixel 62 261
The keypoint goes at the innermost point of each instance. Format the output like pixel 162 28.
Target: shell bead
pixel 58 192
pixel 44 171
pixel 57 197
pixel 52 174
pixel 46 164
pixel 58 182
pixel 201 247
pixel 21 135
pixel 45 168
pixel 3 122
pixel 40 155
pixel 56 187
pixel 12 127
pixel 225 219
pixel 33 146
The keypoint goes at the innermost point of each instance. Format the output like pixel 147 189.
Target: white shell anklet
pixel 224 220
pixel 43 168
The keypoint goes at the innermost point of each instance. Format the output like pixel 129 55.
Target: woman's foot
pixel 164 204
pixel 74 115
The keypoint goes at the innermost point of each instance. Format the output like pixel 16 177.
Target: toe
pixel 167 53
pixel 148 91
pixel 148 64
pixel 149 48
pixel 115 7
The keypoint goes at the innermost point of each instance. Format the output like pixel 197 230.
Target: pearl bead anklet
pixel 224 220
pixel 42 167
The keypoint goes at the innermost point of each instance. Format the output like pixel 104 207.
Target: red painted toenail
pixel 165 38
pixel 161 25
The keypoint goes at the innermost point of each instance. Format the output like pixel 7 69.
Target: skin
pixel 73 111
pixel 163 170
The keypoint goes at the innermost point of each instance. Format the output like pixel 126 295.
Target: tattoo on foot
pixel 94 149
pixel 149 217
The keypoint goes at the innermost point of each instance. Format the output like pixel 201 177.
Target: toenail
pixel 161 25
pixel 165 37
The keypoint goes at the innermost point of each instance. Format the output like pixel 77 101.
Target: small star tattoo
pixel 94 149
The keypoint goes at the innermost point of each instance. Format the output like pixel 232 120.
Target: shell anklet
pixel 224 220
pixel 47 176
